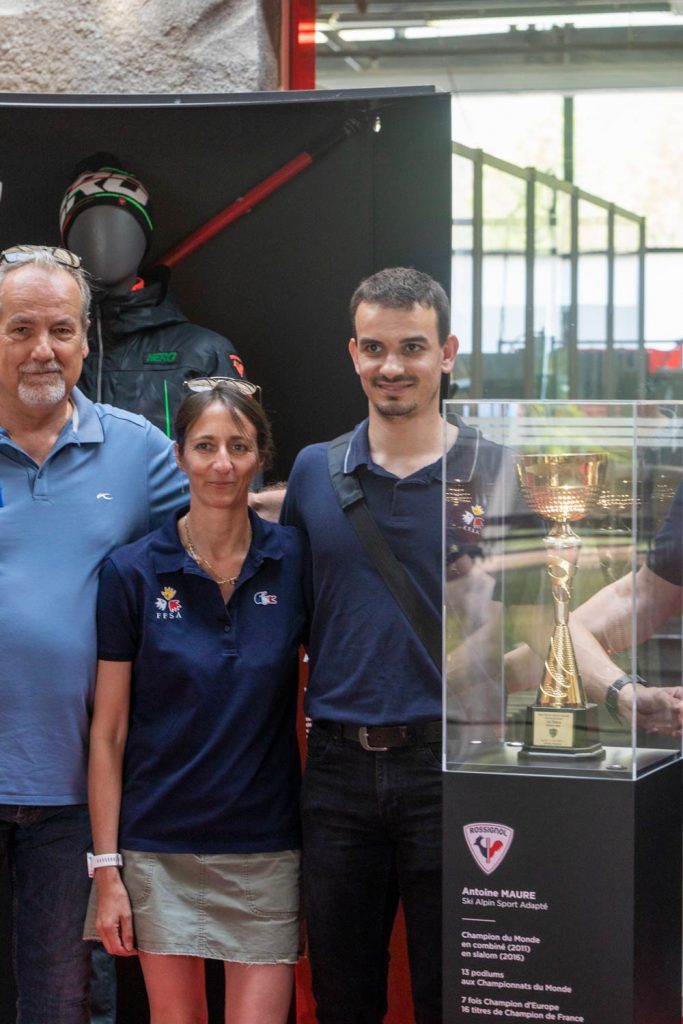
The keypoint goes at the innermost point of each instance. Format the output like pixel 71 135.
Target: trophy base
pixel 564 734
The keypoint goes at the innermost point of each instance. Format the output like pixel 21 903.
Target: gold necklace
pixel 200 560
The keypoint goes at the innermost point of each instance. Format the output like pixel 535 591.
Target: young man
pixel 76 481
pixel 372 790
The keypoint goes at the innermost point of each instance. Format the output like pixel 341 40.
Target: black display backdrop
pixel 581 921
pixel 277 282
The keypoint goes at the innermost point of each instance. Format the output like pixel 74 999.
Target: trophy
pixel 615 505
pixel 561 489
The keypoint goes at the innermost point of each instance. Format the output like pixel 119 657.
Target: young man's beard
pixel 406 406
pixel 392 410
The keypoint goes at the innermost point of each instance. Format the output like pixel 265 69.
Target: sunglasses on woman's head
pixel 242 387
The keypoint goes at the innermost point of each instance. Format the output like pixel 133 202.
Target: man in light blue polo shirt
pixel 76 481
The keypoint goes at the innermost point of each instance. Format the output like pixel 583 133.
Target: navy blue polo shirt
pixel 211 762
pixel 367 664
pixel 666 559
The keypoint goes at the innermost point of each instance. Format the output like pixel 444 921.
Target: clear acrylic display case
pixel 563 574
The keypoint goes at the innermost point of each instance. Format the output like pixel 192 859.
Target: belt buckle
pixel 363 740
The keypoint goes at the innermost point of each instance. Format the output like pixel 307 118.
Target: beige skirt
pixel 239 907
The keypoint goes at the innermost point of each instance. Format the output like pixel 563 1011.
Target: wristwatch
pixel 103 860
pixel 612 695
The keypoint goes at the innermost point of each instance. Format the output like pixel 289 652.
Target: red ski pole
pixel 243 204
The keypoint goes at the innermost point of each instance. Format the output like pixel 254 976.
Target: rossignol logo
pixel 168 606
pixel 488 842
pixel 263 597
pixel 473 518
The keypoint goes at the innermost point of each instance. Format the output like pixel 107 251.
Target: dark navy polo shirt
pixel 367 664
pixel 666 560
pixel 211 762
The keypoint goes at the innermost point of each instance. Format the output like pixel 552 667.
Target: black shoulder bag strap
pixel 350 495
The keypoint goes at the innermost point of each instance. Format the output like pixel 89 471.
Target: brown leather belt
pixel 384 737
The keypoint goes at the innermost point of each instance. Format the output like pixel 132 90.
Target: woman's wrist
pixel 96 862
pixel 108 877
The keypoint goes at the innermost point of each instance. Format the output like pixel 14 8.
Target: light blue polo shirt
pixel 109 479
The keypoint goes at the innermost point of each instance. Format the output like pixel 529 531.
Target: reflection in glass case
pixel 563 587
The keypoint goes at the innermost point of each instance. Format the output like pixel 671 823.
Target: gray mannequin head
pixel 111 245
pixel 105 218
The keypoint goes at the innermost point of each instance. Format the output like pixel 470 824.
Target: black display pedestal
pixel 574 913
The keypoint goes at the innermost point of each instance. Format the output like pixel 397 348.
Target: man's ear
pixel 353 352
pixel 449 351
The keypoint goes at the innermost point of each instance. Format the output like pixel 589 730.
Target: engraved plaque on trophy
pixel 561 489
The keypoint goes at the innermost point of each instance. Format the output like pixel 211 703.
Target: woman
pixel 194 766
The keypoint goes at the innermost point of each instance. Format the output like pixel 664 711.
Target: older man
pixel 76 481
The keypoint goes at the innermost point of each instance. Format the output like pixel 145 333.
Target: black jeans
pixel 46 848
pixel 372 833
pixel 102 986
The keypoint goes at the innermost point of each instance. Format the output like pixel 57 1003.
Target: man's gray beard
pixel 37 392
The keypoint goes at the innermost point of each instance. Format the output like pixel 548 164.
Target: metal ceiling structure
pixel 395 10
pixel 548 44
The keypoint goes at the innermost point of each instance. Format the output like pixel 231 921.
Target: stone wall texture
pixel 139 46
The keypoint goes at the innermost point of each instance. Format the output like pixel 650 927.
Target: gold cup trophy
pixel 614 505
pixel 561 489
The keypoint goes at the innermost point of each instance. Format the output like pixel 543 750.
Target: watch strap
pixel 103 860
pixel 612 695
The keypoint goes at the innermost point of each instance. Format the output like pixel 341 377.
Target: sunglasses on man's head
pixel 25 253
pixel 242 387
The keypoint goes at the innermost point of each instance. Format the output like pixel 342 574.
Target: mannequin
pixel 111 244
pixel 142 347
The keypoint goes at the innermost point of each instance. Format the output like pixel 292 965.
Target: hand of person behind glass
pixel 658 709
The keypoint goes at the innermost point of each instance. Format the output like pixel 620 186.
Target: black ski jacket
pixel 142 348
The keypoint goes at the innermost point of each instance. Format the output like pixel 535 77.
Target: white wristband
pixel 103 860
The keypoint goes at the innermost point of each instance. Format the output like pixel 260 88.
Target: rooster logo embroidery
pixel 168 606
pixel 473 518
pixel 488 842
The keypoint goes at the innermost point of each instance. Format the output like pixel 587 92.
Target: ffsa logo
pixel 488 842
pixel 263 597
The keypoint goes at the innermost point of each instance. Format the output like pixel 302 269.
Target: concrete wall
pixel 139 46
